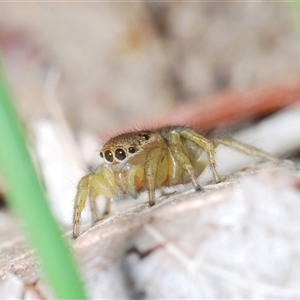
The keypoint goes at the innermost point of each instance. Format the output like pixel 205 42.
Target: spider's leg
pixel 93 195
pixel 107 207
pixel 177 152
pixel 153 159
pixel 205 144
pixel 247 149
pixel 79 204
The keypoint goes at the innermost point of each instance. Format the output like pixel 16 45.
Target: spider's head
pixel 130 147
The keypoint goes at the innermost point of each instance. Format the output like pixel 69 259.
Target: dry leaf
pixel 232 241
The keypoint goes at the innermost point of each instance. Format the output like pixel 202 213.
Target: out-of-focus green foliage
pixel 26 196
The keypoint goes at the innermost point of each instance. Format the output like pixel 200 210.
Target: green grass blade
pixel 27 198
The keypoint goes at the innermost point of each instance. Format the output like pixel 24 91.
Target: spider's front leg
pixel 101 182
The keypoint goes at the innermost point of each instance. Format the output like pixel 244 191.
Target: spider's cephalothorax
pixel 147 160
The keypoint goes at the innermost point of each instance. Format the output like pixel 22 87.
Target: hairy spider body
pixel 147 160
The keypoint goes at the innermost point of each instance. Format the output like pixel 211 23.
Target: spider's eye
pixel 109 156
pixel 101 154
pixel 120 154
pixel 131 149
pixel 146 136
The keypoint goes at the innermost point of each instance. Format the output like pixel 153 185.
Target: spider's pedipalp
pixel 99 183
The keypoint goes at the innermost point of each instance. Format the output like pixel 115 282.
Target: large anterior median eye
pixel 120 154
pixel 109 156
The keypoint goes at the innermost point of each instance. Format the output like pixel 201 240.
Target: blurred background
pixel 111 63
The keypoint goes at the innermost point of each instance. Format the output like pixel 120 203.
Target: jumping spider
pixel 147 160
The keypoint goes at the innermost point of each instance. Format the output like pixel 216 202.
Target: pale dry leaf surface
pixel 238 239
pixel 20 276
pixel 235 240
